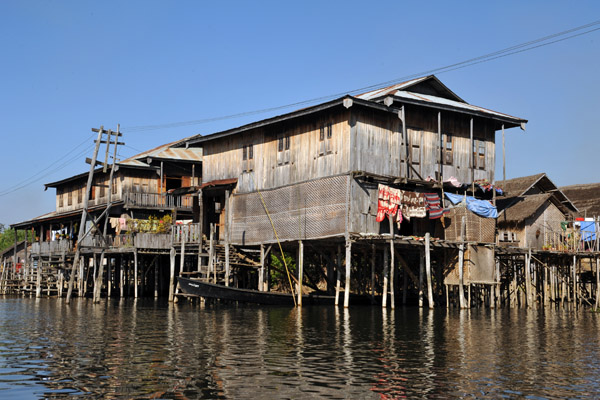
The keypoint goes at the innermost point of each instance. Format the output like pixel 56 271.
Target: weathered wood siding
pixel 269 169
pixel 541 226
pixel 378 146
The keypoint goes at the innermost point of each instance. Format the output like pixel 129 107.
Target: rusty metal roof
pixel 165 152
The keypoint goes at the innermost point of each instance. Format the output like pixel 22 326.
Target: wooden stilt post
pixel 373 258
pixel 300 271
pixel 135 273
pixel 428 270
pixel 574 281
pixel 261 272
pixel 227 214
pixel 211 254
pixel 182 259
pixel 528 278
pixel 461 257
pixel 121 277
pixel 404 286
pixel 447 296
pixel 172 254
pixel 392 265
pixel 421 271
pixel 597 283
pixel 98 278
pixel 156 276
pixel 38 285
pixel 109 278
pixel 385 279
pixel 348 265
pixel 339 275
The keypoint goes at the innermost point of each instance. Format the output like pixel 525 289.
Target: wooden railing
pixel 54 247
pixel 190 233
pixel 157 200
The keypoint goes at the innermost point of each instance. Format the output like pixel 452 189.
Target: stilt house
pixel 532 212
pixel 313 174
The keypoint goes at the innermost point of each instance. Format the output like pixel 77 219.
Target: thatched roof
pixel 586 197
pixel 523 207
pixel 518 186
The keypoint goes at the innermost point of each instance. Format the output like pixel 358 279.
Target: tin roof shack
pixel 532 212
pixel 313 173
pixel 141 188
pixel 586 197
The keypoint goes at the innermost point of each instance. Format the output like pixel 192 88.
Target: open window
pixel 325 139
pixel 248 157
pixel 447 149
pixel 283 149
pixel 479 147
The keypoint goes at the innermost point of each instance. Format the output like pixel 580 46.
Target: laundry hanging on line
pixel 434 206
pixel 406 204
pixel 483 208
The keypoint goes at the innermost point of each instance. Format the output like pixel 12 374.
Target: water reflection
pixel 148 349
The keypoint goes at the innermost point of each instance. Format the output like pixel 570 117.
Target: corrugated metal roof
pixel 166 151
pixel 435 100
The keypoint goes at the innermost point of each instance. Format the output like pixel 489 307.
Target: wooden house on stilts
pixel 311 181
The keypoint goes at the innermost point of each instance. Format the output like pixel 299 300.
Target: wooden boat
pixel 210 290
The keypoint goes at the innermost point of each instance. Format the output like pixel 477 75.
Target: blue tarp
pixel 483 208
pixel 588 230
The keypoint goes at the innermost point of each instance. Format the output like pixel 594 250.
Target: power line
pixel 52 168
pixel 519 48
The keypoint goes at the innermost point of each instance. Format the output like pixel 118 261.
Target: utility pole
pixel 84 212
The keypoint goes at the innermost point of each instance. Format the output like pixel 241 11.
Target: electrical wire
pixel 519 48
pixel 52 168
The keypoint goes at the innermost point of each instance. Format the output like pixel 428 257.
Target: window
pixel 80 195
pixel 283 149
pixel 479 154
pixel 506 236
pixel 59 192
pixel 70 197
pixel 325 139
pixel 248 157
pixel 447 149
pixel 102 185
pixel 114 185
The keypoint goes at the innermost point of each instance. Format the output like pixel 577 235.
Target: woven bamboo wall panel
pixel 308 210
pixel 478 229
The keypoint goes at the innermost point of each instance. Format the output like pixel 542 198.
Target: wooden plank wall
pixel 223 157
pixel 377 144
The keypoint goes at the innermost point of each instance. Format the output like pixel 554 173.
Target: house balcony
pixel 157 201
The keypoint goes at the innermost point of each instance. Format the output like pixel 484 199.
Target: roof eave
pixel 512 122
pixel 291 115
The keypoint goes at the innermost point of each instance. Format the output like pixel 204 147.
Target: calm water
pixel 147 349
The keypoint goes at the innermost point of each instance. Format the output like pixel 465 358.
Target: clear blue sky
pixel 69 66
